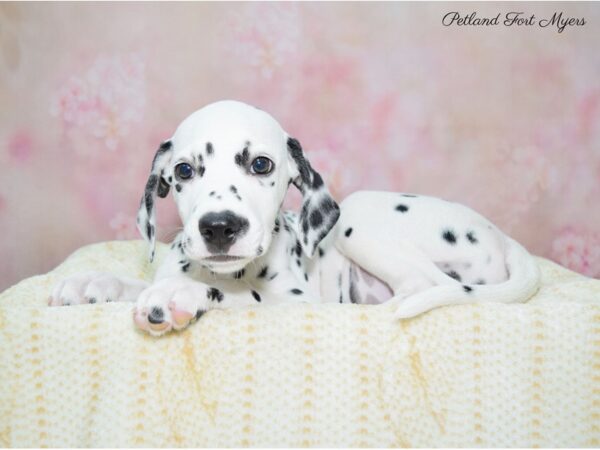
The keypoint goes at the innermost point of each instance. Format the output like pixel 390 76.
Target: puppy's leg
pixel 174 302
pixel 95 287
pixel 368 235
pixel 377 231
pixel 403 267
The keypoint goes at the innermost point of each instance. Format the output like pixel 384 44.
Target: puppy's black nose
pixel 220 230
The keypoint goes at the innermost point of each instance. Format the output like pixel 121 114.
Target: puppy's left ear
pixel 156 185
pixel 319 212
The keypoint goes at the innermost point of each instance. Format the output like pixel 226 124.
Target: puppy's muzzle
pixel 221 229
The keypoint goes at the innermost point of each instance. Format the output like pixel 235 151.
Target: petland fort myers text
pixel 558 21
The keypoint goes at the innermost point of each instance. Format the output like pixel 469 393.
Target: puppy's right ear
pixel 319 212
pixel 156 185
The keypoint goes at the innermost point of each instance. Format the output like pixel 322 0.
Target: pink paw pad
pixel 181 319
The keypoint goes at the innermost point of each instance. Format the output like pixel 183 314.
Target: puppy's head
pixel 229 166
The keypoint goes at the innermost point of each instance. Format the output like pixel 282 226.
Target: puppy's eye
pixel 184 171
pixel 262 166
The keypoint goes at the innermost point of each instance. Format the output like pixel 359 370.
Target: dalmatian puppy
pixel 229 166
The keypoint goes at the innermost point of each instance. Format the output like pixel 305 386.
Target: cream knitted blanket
pixel 299 375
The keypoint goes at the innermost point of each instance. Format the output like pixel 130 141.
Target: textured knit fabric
pixel 299 375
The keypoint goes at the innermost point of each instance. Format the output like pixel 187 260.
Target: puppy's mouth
pixel 225 264
pixel 222 258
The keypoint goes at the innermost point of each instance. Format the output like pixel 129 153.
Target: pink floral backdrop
pixel 382 96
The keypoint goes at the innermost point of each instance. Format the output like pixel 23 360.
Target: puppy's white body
pixel 429 252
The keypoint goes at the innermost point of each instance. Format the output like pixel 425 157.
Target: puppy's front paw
pixel 93 287
pixel 172 303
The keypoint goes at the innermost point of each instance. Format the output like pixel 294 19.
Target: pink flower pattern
pixel 123 226
pixel 20 147
pixel 578 250
pixel 105 100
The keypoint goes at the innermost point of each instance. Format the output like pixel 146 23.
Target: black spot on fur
pixel 256 296
pixel 201 170
pixel 185 267
pixel 305 225
pixel 233 189
pixel 272 277
pixel 242 158
pixel 163 187
pixel 212 193
pixel 239 274
pixel 449 237
pixel 263 272
pixel 321 252
pixel 199 314
pixel 92 300
pixel 320 237
pixel 455 275
pixel 155 183
pixel 298 263
pixel 209 148
pixel 329 207
pixel 149 192
pixel 296 291
pixel 353 277
pixel 214 294
pixel 295 150
pixel 272 183
pixel 157 315
pixel 316 218
pixel 480 281
pixel 166 145
pixel 305 276
pixel 149 230
pixel 178 187
pixel 170 179
pixel 317 181
pixel 467 289
pixel 402 208
pixel 348 232
pixel 259 250
pixel 471 237
pixel 353 294
pixel 298 248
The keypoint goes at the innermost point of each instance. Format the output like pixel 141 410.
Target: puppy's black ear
pixel 156 185
pixel 319 211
